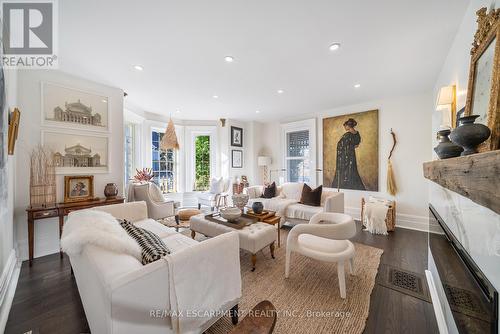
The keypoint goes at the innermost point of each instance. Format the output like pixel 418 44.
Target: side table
pixel 36 213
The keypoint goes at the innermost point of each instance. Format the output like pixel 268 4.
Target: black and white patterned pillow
pixel 152 247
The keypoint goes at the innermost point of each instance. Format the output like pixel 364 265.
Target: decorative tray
pixel 240 223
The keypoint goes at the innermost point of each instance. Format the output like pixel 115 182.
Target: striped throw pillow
pixel 152 247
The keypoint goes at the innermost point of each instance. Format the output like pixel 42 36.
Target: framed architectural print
pixel 72 108
pixel 484 76
pixel 76 153
pixel 237 159
pixel 236 136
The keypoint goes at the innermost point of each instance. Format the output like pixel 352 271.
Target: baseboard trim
pixel 410 222
pixel 8 284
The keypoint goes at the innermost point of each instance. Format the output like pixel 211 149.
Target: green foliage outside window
pixel 202 163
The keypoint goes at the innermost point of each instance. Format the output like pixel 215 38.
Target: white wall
pixel 29 99
pixel 410 119
pixel 476 227
pixel 9 269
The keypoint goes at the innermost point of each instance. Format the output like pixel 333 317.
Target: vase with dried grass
pixel 42 178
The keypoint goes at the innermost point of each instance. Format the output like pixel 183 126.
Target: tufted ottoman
pixel 253 238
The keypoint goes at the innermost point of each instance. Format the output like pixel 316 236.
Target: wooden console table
pixel 59 210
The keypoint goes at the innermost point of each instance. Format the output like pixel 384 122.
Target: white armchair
pixel 324 239
pixel 158 206
pixel 215 199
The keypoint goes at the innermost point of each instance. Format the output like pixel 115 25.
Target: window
pixel 297 156
pixel 163 164
pixel 202 163
pixel 129 136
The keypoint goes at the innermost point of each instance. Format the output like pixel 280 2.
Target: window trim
pixel 176 158
pixel 304 125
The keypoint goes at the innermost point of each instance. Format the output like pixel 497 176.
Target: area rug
pixel 309 301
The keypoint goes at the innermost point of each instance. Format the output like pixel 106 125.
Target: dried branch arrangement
pixel 42 177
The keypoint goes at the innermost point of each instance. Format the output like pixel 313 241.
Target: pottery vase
pixel 469 134
pixel 446 148
pixel 240 200
pixel 110 191
pixel 257 207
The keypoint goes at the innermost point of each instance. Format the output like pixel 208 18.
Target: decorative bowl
pixel 231 214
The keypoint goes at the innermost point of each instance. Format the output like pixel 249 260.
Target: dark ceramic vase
pixel 469 134
pixel 446 148
pixel 110 191
pixel 257 207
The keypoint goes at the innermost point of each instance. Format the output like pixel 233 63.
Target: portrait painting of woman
pixel 350 151
pixel 346 169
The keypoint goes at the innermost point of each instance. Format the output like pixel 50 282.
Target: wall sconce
pixel 448 98
pixel 222 122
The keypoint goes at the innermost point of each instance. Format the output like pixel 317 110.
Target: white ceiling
pixel 390 47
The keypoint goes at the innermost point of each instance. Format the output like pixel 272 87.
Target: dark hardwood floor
pixel 47 299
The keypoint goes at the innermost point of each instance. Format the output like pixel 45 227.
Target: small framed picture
pixel 78 188
pixel 236 136
pixel 237 159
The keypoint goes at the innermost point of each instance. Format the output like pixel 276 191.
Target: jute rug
pixel 309 301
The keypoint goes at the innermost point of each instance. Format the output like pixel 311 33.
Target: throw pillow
pixel 310 196
pixel 269 191
pixel 152 247
pixel 216 185
pixel 155 193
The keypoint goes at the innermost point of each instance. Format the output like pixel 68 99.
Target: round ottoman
pixel 186 214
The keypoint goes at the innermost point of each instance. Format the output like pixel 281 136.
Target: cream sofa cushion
pixel 292 190
pixel 302 211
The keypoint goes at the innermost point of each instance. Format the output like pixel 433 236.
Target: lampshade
pixel 263 161
pixel 446 96
pixel 169 140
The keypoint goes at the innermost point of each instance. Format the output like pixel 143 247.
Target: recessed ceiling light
pixel 104 101
pixel 280 91
pixel 177 111
pixel 215 96
pixel 257 111
pixel 334 47
pixel 229 59
pixel 357 85
pixel 138 67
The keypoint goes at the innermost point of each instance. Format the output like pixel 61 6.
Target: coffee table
pixel 253 238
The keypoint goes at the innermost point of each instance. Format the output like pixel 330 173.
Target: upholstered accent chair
pixel 215 198
pixel 158 206
pixel 324 239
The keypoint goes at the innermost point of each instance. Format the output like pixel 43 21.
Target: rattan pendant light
pixel 169 140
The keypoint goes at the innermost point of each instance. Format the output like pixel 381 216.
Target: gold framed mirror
pixel 484 76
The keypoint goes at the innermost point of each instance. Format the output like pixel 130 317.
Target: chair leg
pixel 234 314
pixel 341 274
pixel 351 266
pixel 287 263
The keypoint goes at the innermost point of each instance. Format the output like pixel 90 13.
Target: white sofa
pixel 120 295
pixel 287 202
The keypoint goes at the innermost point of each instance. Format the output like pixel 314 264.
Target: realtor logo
pixel 28 34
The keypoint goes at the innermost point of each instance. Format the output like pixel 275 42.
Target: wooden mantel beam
pixel 475 176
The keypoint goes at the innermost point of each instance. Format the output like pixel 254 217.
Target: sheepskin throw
pixel 97 228
pixel 152 247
